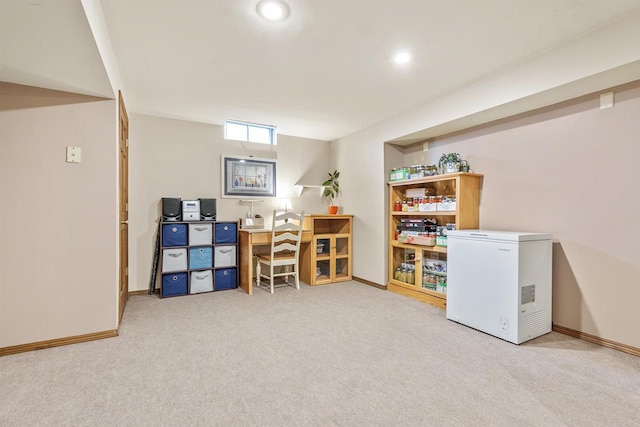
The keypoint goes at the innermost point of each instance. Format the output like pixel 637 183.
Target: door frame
pixel 123 206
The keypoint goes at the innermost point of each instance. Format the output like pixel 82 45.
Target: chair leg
pixel 258 268
pixel 271 276
pixel 297 278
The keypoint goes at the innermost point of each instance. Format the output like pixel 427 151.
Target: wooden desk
pixel 250 239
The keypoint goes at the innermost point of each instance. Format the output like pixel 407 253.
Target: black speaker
pixel 207 209
pixel 171 209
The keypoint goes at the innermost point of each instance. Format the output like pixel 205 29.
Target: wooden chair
pixel 282 261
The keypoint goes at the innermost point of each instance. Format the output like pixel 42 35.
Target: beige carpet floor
pixel 338 355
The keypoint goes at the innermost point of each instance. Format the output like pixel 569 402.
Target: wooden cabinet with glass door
pixel 330 258
pixel 416 269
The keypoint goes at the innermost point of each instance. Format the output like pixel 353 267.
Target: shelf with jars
pixel 421 212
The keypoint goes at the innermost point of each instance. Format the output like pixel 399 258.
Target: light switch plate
pixel 73 154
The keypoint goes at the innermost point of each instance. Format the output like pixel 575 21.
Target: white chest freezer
pixel 499 282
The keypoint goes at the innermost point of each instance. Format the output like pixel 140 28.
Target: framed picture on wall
pixel 248 177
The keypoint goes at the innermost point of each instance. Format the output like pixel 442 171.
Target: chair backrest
pixel 286 232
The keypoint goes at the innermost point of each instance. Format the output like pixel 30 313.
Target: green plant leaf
pixel 331 185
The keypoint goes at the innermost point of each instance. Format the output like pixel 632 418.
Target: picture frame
pixel 248 177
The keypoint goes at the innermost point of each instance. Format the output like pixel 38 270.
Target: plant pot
pixel 451 167
pixel 333 209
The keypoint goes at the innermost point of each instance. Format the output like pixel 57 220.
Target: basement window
pixel 249 132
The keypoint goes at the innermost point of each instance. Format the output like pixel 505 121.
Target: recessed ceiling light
pixel 402 58
pixel 273 10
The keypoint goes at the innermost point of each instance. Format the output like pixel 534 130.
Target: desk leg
pixel 246 263
pixel 304 264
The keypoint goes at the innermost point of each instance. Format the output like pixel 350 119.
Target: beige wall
pixel 58 225
pixel 360 160
pixel 569 171
pixel 557 171
pixel 176 158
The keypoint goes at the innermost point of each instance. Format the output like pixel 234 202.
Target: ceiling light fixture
pixel 402 58
pixel 273 10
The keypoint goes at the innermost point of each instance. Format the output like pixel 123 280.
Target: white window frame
pixel 248 125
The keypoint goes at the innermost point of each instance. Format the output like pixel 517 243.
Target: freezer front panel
pixel 499 287
pixel 482 285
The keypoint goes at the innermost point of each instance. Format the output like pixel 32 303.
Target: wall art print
pixel 248 177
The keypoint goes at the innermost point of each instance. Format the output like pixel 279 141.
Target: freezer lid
pixel 509 236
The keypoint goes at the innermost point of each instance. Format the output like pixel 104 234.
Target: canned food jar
pixel 429 286
pixel 431 170
pixel 417 170
pixel 410 276
pixel 402 275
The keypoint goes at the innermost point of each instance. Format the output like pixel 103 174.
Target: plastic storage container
pixel 174 235
pixel 200 234
pixel 225 279
pixel 174 260
pixel 174 284
pixel 201 281
pixel 200 257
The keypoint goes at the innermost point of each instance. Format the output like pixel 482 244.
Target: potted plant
pixel 450 162
pixel 331 190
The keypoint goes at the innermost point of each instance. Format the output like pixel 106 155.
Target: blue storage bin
pixel 226 232
pixel 225 279
pixel 174 235
pixel 174 284
pixel 200 257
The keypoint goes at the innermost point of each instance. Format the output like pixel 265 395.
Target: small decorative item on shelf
pixel 450 163
pixel 331 190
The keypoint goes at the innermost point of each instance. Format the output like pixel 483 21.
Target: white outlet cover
pixel 606 100
pixel 73 154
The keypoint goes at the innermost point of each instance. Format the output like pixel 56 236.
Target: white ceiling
pixel 324 73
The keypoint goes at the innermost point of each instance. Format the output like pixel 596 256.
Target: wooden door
pixel 123 282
